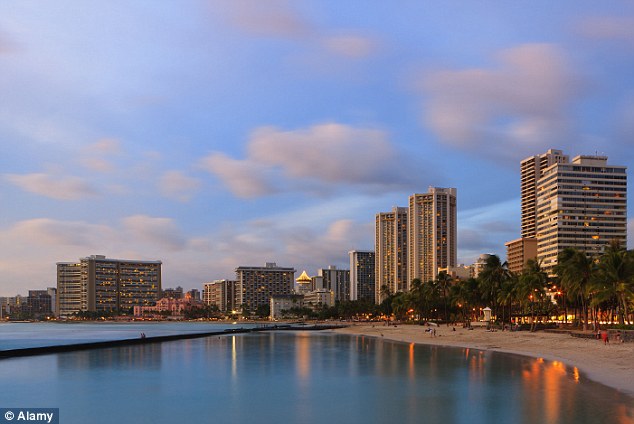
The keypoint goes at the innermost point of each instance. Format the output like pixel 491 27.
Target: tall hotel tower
pixel 531 170
pixel 431 233
pixel 580 204
pixel 362 275
pixel 391 252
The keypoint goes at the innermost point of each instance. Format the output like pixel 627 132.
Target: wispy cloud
pixel 274 18
pixel 617 28
pixel 55 187
pixel 514 109
pixel 320 157
pixel 351 45
pixel 245 178
pixel 99 155
pixel 178 186
pixel 160 231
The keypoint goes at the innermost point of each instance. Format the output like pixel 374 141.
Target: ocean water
pixel 305 377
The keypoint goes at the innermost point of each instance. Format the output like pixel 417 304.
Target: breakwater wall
pixel 47 350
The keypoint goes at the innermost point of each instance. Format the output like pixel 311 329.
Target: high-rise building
pixel 337 281
pixel 256 285
pixel 431 233
pixel 580 204
pixel 99 284
pixel 391 252
pixel 71 295
pixel 519 251
pixel 531 170
pixel 221 293
pixel 362 275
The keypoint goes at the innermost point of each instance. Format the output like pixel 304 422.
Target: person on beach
pixel 604 337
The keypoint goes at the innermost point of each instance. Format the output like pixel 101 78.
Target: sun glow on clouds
pixel 328 154
pixel 513 110
pixel 55 187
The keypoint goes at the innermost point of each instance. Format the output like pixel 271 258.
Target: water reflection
pixel 141 357
pixel 309 378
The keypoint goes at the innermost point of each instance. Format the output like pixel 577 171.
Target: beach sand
pixel 611 365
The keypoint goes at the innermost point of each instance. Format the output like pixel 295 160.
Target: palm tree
pixel 616 278
pixel 577 272
pixel 532 285
pixel 491 278
pixel 464 295
pixel 506 294
pixel 442 281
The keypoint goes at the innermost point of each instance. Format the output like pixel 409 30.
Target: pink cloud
pixel 519 106
pixel 55 187
pixel 319 158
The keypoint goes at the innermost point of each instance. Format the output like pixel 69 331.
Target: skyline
pixel 215 134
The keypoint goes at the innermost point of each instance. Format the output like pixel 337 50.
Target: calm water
pixel 305 377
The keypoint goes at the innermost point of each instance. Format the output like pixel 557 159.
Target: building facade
pixel 390 245
pixel 337 281
pixel 99 284
pixel 431 233
pixel 221 293
pixel 519 251
pixel 304 283
pixel 531 170
pixel 362 275
pixel 255 285
pixel 580 204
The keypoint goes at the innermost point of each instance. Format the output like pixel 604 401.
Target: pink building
pixel 175 307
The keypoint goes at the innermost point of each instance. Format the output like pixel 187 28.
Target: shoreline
pixel 610 365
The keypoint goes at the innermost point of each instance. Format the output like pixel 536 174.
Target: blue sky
pixel 213 134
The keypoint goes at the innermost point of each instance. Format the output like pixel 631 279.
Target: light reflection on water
pixel 307 377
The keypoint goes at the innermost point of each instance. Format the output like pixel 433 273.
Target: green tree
pixel 615 279
pixel 577 272
pixel 491 279
pixel 532 286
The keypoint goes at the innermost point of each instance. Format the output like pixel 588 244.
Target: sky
pixel 216 134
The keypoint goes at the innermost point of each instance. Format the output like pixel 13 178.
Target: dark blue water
pixel 305 377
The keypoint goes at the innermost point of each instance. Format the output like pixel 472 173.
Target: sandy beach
pixel 610 364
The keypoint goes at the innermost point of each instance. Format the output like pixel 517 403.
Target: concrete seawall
pixel 47 350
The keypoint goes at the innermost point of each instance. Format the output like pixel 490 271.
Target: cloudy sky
pixel 213 134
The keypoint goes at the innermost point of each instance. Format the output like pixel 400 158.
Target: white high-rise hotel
pixel 580 203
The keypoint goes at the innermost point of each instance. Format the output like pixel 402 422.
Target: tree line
pixel 587 288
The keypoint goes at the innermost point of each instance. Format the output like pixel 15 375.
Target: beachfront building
pixel 459 272
pixel 280 303
pixel 319 298
pixel 519 251
pixel 256 285
pixel 221 293
pixel 99 284
pixel 531 170
pixel 362 275
pixel 337 281
pixel 580 204
pixel 390 245
pixel 480 263
pixel 168 307
pixel 304 283
pixel 431 233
